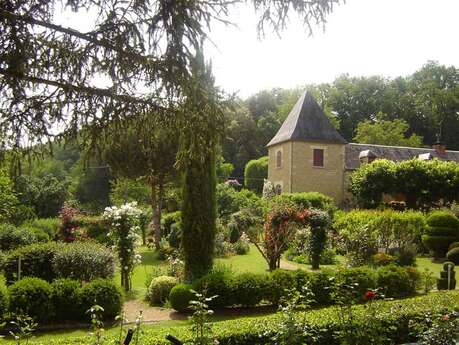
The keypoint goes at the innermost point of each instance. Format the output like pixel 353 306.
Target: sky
pixel 362 37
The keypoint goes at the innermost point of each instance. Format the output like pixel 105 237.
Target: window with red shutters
pixel 318 157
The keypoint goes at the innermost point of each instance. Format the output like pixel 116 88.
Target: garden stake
pixel 128 338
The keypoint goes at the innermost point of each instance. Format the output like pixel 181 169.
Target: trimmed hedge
pixel 443 219
pixel 250 289
pixel 453 255
pixel 12 237
pixel 83 261
pixel 32 296
pixel 400 318
pixel 66 299
pixel 438 244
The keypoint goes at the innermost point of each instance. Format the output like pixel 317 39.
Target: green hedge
pixel 12 237
pixel 63 300
pixel 250 289
pixel 83 261
pixel 399 317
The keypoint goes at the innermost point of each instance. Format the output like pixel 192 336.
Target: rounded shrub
pixel 84 261
pixel 50 226
pixel 395 281
pixel 438 244
pixel 180 297
pixel 36 261
pixel 103 292
pixel 32 296
pixel 453 255
pixel 241 247
pixel 382 259
pixel 248 289
pixel 443 219
pixel 4 301
pixel 216 284
pixel 160 288
pixel 12 237
pixel 66 299
pixel 453 245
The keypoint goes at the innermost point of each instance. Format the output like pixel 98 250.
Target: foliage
pixel 33 297
pixel 442 231
pixel 45 195
pixel 168 220
pixel 24 326
pixel 105 293
pixel 201 327
pixel 382 259
pixel 248 289
pixel 36 261
pixel 439 181
pixel 386 132
pixel 219 284
pixel 66 299
pixel 230 201
pixel 12 237
pixel 442 330
pixel 83 261
pixel 125 190
pixel 4 301
pixel 50 226
pixel 160 288
pixel 124 228
pixel 255 172
pixel 180 297
pixel 8 198
pixel 396 281
pixel 305 200
pixel 362 232
pixel 241 247
pixel 453 255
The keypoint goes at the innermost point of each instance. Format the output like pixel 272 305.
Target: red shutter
pixel 318 157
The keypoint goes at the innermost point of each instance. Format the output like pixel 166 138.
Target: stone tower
pixel 307 153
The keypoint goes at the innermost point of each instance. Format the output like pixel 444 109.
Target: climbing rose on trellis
pixel 279 230
pixel 124 231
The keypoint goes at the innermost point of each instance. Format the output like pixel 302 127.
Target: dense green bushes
pixel 12 237
pixel 160 288
pixel 442 231
pixel 250 289
pixel 426 183
pixel 363 232
pixel 180 297
pixel 4 300
pixel 63 300
pixel 50 226
pixel 33 297
pixel 82 261
pixel 255 172
pixel 307 200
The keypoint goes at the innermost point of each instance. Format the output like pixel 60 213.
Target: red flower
pixel 369 295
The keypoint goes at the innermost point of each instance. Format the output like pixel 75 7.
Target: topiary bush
pixel 248 289
pixel 4 301
pixel 453 255
pixel 180 297
pixel 438 244
pixel 103 292
pixel 66 299
pixel 396 281
pixel 453 245
pixel 32 296
pixel 84 261
pixel 443 219
pixel 160 288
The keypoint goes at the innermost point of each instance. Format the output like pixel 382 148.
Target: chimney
pixel 439 148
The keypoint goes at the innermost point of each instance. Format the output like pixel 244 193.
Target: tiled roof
pixel 393 153
pixel 307 122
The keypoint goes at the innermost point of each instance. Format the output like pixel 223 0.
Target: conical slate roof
pixel 307 122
